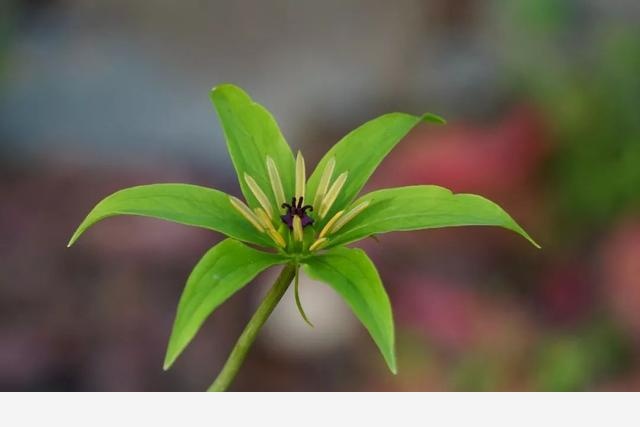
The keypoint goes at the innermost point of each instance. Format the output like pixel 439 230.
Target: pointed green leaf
pixel 352 274
pixel 223 270
pixel 420 207
pixel 252 134
pixel 182 203
pixel 360 152
pixel 434 118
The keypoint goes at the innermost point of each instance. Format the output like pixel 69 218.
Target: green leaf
pixel 420 207
pixel 182 203
pixel 252 134
pixel 223 270
pixel 434 118
pixel 361 151
pixel 352 274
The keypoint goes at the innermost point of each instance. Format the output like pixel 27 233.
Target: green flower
pixel 289 232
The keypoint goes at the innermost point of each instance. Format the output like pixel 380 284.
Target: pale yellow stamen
pixel 300 175
pixel 349 216
pixel 259 194
pixel 318 244
pixel 268 225
pixel 324 182
pixel 263 218
pixel 331 195
pixel 277 237
pixel 327 228
pixel 246 212
pixel 297 229
pixel 276 183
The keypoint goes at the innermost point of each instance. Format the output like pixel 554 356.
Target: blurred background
pixel 542 98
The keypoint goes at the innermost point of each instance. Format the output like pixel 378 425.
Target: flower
pixel 313 235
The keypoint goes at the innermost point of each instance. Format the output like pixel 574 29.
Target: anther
pixel 327 228
pixel 318 244
pixel 259 194
pixel 268 225
pixel 332 194
pixel 325 179
pixel 349 216
pixel 246 213
pixel 276 183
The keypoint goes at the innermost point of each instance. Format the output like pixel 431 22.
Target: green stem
pixel 248 336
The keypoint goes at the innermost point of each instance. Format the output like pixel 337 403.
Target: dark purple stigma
pixel 294 209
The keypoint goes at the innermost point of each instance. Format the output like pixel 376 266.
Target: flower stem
pixel 248 336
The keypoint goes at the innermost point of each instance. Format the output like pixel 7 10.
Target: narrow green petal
pixel 296 292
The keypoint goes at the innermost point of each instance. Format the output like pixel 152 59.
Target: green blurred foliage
pixel 597 165
pixel 476 372
pixel 585 79
pixel 575 361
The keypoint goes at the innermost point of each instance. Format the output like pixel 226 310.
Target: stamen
pixel 349 216
pixel 331 195
pixel 324 182
pixel 246 212
pixel 263 218
pixel 300 175
pixel 327 228
pixel 276 183
pixel 259 194
pixel 318 244
pixel 271 231
pixel 297 229
pixel 277 237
